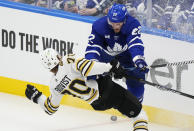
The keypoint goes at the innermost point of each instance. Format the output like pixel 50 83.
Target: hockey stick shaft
pixel 158 86
pixel 173 64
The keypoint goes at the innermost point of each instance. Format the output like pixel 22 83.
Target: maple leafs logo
pixel 117 49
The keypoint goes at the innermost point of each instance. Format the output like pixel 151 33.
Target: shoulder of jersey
pixel 131 23
pixel 101 24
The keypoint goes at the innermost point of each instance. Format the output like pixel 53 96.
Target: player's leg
pixel 125 102
pixel 130 106
pixel 114 95
pixel 105 86
pixel 136 88
pixel 140 122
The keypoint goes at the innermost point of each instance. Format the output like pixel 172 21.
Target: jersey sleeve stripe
pixel 83 65
pixel 137 44
pixel 93 51
pixel 96 46
pixel 48 112
pixel 49 108
pixel 137 37
pixel 94 59
pixel 78 63
pixel 53 106
pixel 89 69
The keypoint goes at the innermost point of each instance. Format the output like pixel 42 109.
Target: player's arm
pixel 49 104
pixel 90 68
pixel 94 47
pixel 136 46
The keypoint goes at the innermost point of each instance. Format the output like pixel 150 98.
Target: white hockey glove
pixel 32 93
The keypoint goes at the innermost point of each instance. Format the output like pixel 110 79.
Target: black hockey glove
pixel 32 93
pixel 116 69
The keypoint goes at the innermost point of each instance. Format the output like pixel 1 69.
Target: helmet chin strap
pixel 55 69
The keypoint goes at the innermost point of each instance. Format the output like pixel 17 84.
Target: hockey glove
pixel 32 93
pixel 116 69
pixel 141 66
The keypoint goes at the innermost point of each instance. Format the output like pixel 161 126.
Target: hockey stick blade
pixel 173 64
pixel 164 88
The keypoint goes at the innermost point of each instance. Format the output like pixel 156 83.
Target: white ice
pixel 19 114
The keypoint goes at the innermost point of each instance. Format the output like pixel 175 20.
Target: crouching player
pixel 69 78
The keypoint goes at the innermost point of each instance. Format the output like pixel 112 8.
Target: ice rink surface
pixel 19 114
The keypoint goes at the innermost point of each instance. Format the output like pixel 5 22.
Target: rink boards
pixel 26 31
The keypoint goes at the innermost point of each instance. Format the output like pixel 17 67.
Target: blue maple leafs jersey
pixel 103 39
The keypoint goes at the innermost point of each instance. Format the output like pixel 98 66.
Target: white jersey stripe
pixel 137 37
pixel 139 44
pixel 98 46
pixel 87 69
pixel 79 63
pixel 49 107
pixel 93 51
pixel 52 107
pixel 84 65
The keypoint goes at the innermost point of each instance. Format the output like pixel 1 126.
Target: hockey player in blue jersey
pixel 118 36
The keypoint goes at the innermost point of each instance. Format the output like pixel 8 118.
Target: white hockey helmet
pixel 49 58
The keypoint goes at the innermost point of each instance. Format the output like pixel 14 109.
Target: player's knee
pixel 130 106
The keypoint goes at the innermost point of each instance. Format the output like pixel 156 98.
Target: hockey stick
pixel 158 86
pixel 173 64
